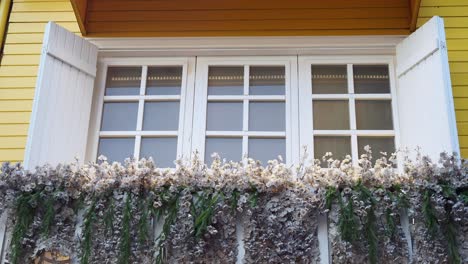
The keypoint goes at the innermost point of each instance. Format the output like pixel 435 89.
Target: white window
pixel 347 103
pixel 142 112
pixel 243 107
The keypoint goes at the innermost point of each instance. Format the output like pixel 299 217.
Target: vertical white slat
pixel 199 120
pixel 62 101
pixel 3 235
pixel 352 115
pixel 141 109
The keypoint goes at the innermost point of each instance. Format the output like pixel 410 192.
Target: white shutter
pixel 425 102
pixel 62 100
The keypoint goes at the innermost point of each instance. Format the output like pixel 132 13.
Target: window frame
pixel 306 98
pixel 185 100
pixel 299 124
pixel 290 98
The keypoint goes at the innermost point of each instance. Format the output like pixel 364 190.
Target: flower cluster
pixel 137 213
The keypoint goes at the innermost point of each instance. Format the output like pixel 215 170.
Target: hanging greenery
pixel 137 213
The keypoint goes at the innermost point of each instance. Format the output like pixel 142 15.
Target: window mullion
pixel 245 118
pixel 352 115
pixel 141 105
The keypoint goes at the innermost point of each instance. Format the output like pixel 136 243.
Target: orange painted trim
pixel 414 8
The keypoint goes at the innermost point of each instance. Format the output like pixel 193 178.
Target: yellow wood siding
pixel 18 69
pixel 455 14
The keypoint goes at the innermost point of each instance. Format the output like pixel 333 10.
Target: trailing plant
pixel 143 223
pixel 109 215
pixel 88 221
pixel 429 213
pixel 125 239
pixel 347 223
pixel 203 208
pixel 48 215
pixel 25 212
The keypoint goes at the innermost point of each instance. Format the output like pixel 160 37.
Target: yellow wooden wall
pixel 455 14
pixel 19 65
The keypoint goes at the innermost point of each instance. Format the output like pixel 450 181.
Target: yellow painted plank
pixel 41 6
pixel 462 128
pixel 459 79
pixel 450 22
pixel 461 115
pixel 461 103
pixel 22 60
pixel 460 91
pixel 40 27
pixel 444 3
pixel 17 82
pixel 445 11
pixel 463 152
pixel 463 140
pixel 16 105
pixel 14 129
pixel 457 44
pixel 21 71
pixel 22 49
pixel 456 33
pixel 31 38
pixel 13 142
pixel 11 154
pixel 459 67
pixel 42 17
pixel 17 94
pixel 456 55
pixel 15 118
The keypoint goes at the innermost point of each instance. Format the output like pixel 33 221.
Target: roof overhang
pixel 209 18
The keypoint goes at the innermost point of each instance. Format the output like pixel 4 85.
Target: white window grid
pixel 194 97
pixel 185 104
pixel 202 99
pixel 306 98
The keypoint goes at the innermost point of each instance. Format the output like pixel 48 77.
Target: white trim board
pixel 230 46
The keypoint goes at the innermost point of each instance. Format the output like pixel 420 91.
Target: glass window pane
pixel 123 81
pixel 224 80
pixel 116 149
pixel 339 146
pixel 378 145
pixel 267 116
pixel 162 150
pixel 164 80
pixel 371 79
pixel 266 80
pixel 374 114
pixel 331 114
pixel 265 149
pixel 161 116
pixel 119 116
pixel 228 148
pixel 329 79
pixel 224 116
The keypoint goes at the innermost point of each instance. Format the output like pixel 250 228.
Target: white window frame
pixel 306 97
pixel 185 98
pixel 290 99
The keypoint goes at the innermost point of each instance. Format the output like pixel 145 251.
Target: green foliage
pixel 125 239
pixel 109 215
pixel 390 223
pixel 429 213
pixel 450 235
pixel 401 197
pixel 25 213
pixel 464 196
pixel 143 223
pixel 253 199
pixel 234 199
pixel 330 196
pixel 170 208
pixel 48 215
pixel 370 228
pixel 203 208
pixel 347 224
pixel 87 231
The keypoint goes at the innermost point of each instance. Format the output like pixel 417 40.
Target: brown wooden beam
pixel 80 7
pixel 414 11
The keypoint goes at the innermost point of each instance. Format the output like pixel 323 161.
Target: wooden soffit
pixel 171 18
